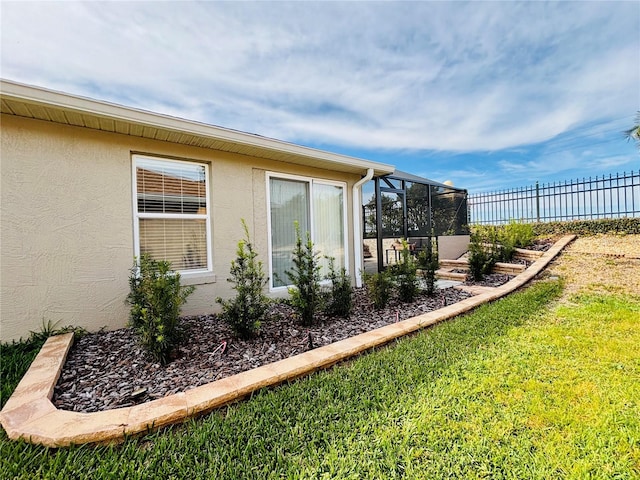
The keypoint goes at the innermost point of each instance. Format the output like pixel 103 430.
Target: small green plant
pixel 520 234
pixel 246 311
pixel 405 273
pixel 380 287
pixel 514 235
pixel 428 264
pixel 156 297
pixel 498 244
pixel 340 302
pixel 306 294
pixel 482 256
pixel 49 329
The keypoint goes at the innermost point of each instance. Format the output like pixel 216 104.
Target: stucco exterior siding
pixel 67 222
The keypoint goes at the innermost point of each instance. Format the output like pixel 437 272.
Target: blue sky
pixel 490 95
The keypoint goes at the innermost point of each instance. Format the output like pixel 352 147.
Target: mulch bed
pixel 491 280
pixel 104 369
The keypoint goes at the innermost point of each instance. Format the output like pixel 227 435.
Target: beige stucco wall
pixel 451 247
pixel 67 227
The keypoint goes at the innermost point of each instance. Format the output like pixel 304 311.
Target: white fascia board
pixel 65 101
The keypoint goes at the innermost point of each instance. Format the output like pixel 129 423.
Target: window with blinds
pixel 318 207
pixel 172 212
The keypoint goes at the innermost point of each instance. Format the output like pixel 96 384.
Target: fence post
pixel 538 202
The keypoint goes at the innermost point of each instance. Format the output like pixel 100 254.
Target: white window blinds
pixel 172 213
pixel 319 208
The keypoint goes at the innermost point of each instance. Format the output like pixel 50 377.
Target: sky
pixel 488 95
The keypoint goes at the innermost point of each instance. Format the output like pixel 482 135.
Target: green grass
pixel 15 359
pixel 521 388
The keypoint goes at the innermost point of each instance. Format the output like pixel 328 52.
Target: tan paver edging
pixel 29 413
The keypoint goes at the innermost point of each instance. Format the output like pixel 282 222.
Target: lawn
pixel 526 387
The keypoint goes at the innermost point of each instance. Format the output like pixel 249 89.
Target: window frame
pixel 192 274
pixel 310 182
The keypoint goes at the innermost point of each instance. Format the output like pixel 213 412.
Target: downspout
pixel 357 232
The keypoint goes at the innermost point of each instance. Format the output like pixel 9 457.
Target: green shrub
pixel 428 264
pixel 405 275
pixel 483 255
pixel 506 241
pixel 514 235
pixel 500 242
pixel 156 298
pixel 245 312
pixel 630 226
pixel 521 234
pixel 340 297
pixel 621 226
pixel 306 294
pixel 380 286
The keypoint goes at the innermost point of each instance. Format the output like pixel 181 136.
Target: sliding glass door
pixel 328 224
pixel 319 208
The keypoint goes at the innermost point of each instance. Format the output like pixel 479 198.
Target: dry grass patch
pixel 600 264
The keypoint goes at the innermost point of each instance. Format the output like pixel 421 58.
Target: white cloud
pixel 423 76
pixel 607 163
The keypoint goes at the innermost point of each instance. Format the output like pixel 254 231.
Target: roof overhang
pixel 416 179
pixel 43 104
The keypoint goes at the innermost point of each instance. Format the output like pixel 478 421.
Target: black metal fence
pixel 613 196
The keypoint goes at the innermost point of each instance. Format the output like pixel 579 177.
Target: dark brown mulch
pixel 543 244
pixel 105 369
pixel 491 280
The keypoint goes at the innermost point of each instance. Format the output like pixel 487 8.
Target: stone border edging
pixel 29 413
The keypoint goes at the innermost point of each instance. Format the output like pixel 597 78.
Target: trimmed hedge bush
pixel 625 225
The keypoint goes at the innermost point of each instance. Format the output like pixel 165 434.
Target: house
pixel 89 185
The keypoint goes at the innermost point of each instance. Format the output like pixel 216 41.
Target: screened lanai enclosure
pixel 404 206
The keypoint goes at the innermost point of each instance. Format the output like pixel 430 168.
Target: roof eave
pixel 153 123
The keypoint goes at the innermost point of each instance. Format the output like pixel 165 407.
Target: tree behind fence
pixel 612 196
